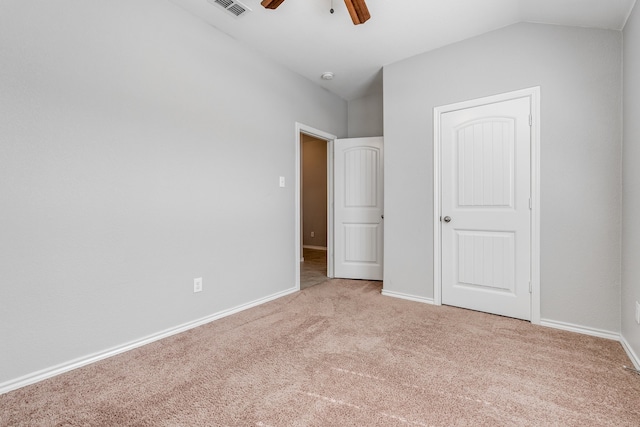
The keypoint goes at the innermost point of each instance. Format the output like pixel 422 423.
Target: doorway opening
pixel 314 210
pixel 314 206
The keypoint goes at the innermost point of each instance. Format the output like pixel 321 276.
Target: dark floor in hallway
pixel 313 270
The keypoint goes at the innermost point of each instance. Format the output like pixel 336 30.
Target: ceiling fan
pixel 357 9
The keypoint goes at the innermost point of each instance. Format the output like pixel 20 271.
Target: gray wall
pixel 314 191
pixel 139 148
pixel 579 71
pixel 366 116
pixel 631 182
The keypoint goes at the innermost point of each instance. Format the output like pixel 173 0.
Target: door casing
pixel 534 95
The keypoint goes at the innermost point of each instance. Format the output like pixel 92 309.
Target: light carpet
pixel 340 354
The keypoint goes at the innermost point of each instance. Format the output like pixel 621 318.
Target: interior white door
pixel 486 202
pixel 358 208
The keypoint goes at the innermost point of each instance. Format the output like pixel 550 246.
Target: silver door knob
pixel 447 219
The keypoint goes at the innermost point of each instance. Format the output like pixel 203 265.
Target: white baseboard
pixel 318 248
pixel 580 329
pixel 632 355
pixel 407 297
pixel 92 358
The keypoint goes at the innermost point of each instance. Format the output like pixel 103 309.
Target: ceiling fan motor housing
pixel 357 9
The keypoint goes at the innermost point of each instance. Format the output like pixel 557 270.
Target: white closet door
pixel 486 217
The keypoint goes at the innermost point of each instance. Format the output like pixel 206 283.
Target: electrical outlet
pixel 313 234
pixel 638 312
pixel 197 284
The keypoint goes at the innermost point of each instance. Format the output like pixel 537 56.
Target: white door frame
pixel 534 95
pixel 308 130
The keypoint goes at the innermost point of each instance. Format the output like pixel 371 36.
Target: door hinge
pixel 530 120
pixel 530 289
pixel 530 204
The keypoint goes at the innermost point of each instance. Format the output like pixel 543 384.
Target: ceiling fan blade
pixel 358 11
pixel 271 4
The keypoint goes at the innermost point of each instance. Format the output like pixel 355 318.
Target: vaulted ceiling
pixel 306 38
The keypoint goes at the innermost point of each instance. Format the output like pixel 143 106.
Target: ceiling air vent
pixel 234 7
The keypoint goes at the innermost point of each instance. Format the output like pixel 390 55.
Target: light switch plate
pixel 282 181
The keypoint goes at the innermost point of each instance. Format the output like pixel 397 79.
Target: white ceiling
pixel 304 37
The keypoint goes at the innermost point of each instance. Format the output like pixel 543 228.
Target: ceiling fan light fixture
pixel 271 4
pixel 358 11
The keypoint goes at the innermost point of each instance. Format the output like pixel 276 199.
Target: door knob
pixel 447 219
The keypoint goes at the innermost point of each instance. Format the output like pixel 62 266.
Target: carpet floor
pixel 340 354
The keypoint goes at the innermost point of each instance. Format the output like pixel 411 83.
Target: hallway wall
pixel 314 191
